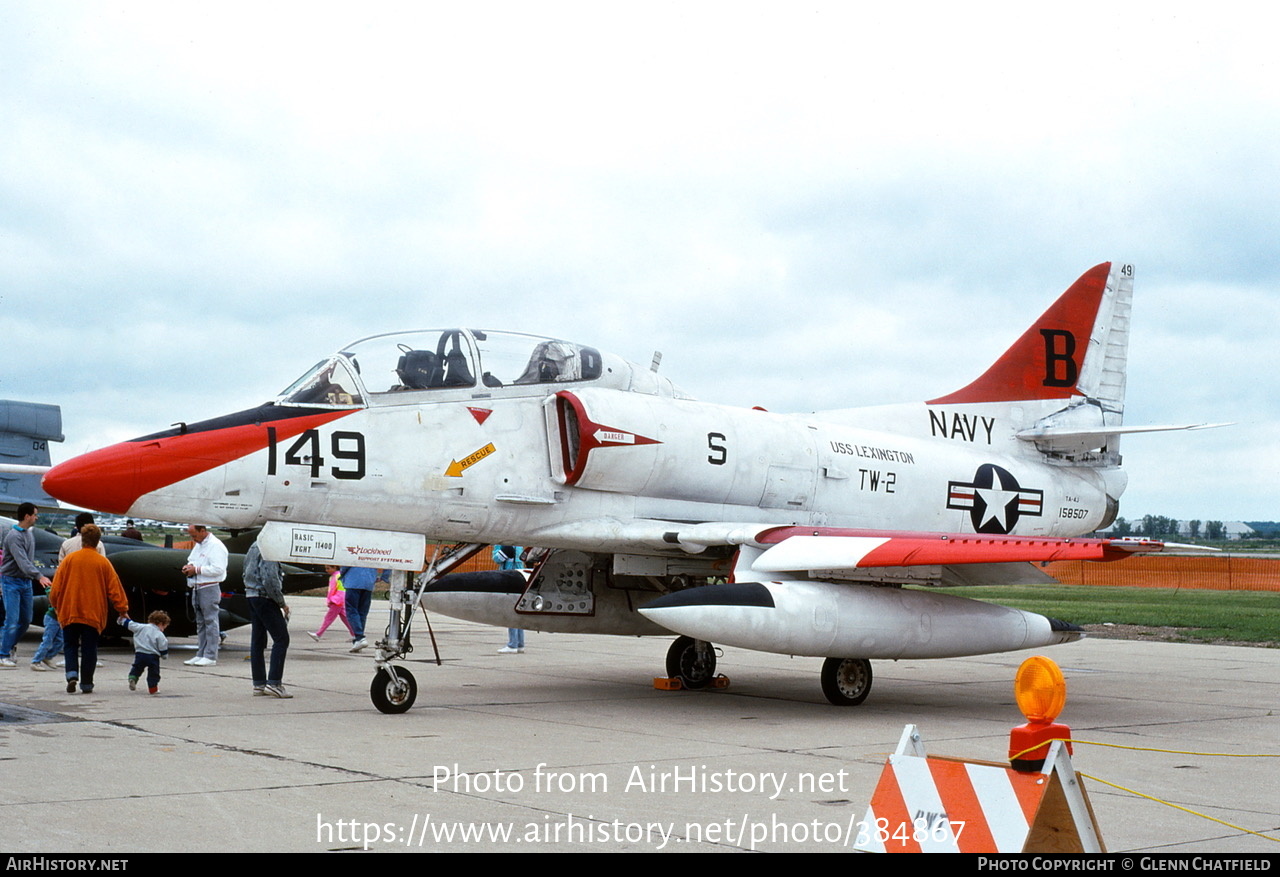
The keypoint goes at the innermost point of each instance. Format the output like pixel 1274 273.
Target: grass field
pixel 1245 617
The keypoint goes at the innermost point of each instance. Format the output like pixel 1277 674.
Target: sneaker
pixel 48 662
pixel 507 650
pixel 191 662
pixel 133 683
pixel 277 691
pixel 71 686
pixel 203 662
pixel 38 665
pixel 314 636
pixel 358 645
pixel 155 689
pixel 8 664
pixel 259 690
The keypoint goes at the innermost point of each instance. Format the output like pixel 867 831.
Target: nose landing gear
pixel 393 689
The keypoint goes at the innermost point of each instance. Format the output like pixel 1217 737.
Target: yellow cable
pixel 1042 744
pixel 1177 807
pixel 1144 749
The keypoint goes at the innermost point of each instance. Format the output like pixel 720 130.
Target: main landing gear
pixel 846 681
pixel 691 661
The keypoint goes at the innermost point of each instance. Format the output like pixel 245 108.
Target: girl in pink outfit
pixel 337 601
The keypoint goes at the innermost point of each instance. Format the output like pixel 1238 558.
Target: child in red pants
pixel 337 600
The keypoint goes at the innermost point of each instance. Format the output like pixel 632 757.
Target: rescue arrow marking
pixel 456 467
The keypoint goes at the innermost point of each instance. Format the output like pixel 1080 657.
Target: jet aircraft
pixel 152 579
pixel 788 533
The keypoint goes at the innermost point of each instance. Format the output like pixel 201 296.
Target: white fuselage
pixel 433 466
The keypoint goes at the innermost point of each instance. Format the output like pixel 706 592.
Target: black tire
pixel 846 681
pixel 694 667
pixel 389 697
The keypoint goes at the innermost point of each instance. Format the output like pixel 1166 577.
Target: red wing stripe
pixel 899 548
pixel 919 552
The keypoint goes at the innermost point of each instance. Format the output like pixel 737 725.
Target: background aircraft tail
pixel 26 428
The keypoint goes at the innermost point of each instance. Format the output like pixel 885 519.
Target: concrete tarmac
pixel 568 747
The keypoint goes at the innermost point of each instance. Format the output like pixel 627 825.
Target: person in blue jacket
pixel 359 582
pixel 510 557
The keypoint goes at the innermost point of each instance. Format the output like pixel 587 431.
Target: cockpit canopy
pixel 426 362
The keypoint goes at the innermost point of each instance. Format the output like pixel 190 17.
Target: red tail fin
pixel 1045 363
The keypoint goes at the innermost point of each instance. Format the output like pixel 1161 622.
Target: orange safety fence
pixel 1214 573
pixel 482 562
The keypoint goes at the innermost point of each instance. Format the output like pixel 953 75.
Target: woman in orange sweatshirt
pixel 85 587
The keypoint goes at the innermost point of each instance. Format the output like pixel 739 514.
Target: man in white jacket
pixel 206 569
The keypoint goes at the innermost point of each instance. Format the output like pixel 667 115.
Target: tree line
pixel 1158 526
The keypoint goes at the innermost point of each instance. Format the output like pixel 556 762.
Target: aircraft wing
pixel 844 554
pixel 798 548
pixel 923 558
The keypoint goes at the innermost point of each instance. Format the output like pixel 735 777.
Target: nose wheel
pixel 393 690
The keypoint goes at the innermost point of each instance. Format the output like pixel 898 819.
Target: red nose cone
pixel 114 478
pixel 105 480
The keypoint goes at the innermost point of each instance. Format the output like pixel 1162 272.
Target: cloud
pixel 803 208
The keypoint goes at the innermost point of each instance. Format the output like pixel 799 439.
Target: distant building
pixel 1230 529
pixel 1238 529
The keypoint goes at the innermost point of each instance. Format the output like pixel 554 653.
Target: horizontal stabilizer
pixel 1065 439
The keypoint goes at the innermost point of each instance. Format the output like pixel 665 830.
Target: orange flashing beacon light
pixel 1041 692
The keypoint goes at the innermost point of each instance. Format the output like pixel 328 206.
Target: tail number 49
pixel 344 446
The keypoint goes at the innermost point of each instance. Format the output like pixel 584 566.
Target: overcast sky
pixel 803 206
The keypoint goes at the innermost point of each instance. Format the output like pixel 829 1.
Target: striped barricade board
pixel 926 804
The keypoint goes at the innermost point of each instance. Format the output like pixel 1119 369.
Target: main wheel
pixel 390 696
pixel 693 661
pixel 846 681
